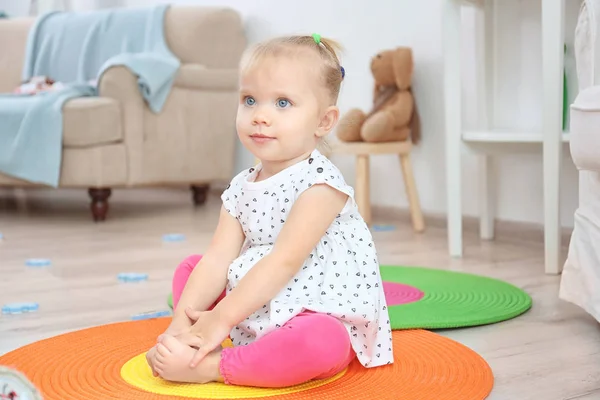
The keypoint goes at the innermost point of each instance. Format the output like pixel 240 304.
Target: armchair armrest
pixel 211 90
pixel 120 84
pixel 195 76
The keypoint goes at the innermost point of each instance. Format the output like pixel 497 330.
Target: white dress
pixel 340 277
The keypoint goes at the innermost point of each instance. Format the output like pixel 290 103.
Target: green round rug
pixel 449 299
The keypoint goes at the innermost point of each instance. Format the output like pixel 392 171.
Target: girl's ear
pixel 328 121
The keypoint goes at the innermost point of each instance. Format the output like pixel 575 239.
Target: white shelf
pixel 487 142
pixel 507 136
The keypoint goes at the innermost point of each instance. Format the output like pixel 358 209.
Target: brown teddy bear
pixel 394 116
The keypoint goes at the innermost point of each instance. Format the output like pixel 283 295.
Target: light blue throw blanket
pixel 76 49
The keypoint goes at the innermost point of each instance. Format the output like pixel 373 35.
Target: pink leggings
pixel 309 346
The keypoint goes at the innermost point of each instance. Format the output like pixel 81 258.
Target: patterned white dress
pixel 340 277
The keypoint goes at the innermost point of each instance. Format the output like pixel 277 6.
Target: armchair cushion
pixel 91 121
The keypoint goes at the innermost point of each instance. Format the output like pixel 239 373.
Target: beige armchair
pixel 115 141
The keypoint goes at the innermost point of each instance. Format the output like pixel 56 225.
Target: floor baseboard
pixel 504 230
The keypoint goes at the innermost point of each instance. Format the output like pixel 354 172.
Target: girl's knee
pixel 190 262
pixel 333 345
pixel 321 334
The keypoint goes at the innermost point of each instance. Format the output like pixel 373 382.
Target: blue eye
pixel 249 101
pixel 283 103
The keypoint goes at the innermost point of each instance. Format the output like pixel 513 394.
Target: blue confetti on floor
pixel 383 228
pixel 38 262
pixel 132 277
pixel 19 308
pixel 173 237
pixel 150 315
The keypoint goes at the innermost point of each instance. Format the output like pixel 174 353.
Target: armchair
pixel 115 140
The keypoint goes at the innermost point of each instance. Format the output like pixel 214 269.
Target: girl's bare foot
pixel 173 363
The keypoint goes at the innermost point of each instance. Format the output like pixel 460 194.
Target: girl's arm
pixel 209 278
pixel 311 215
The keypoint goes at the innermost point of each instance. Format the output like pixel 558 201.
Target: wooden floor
pixel 552 352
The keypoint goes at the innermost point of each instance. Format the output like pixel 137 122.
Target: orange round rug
pixel 87 364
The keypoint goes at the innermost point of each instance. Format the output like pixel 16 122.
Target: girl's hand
pixel 150 357
pixel 206 334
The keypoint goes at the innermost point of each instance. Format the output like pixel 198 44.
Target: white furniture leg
pixel 485 50
pixel 452 102
pixel 552 61
pixel 486 196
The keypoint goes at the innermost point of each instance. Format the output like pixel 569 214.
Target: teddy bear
pixel 393 116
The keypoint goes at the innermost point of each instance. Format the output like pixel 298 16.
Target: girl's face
pixel 282 109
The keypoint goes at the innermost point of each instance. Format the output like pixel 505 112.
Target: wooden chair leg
pixel 412 194
pixel 99 203
pixel 363 199
pixel 199 193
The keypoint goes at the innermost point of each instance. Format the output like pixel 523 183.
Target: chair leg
pixel 99 205
pixel 363 199
pixel 412 194
pixel 199 193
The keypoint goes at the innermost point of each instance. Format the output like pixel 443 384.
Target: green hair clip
pixel 317 38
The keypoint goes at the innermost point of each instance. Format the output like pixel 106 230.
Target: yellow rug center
pixel 137 373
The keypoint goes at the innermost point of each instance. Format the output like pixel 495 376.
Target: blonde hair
pixel 332 72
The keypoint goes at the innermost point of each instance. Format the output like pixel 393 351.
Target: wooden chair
pixel 363 151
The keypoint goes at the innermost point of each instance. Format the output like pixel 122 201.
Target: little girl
pixel 291 274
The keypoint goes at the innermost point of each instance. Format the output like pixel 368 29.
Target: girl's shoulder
pixel 233 191
pixel 321 170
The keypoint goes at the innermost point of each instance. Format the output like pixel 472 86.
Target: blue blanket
pixel 76 49
pixel 31 134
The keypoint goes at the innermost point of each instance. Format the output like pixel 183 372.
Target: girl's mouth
pixel 260 138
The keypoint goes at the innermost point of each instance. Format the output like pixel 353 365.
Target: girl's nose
pixel 259 118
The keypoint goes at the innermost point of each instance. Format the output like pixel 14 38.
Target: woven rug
pixel 103 363
pixel 434 299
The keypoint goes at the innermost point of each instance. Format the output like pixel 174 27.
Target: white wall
pixel 20 8
pixel 14 8
pixel 365 27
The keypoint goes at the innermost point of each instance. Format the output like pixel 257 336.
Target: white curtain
pixel 587 44
pixel 580 281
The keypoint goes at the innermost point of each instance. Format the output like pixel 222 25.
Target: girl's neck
pixel 270 168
